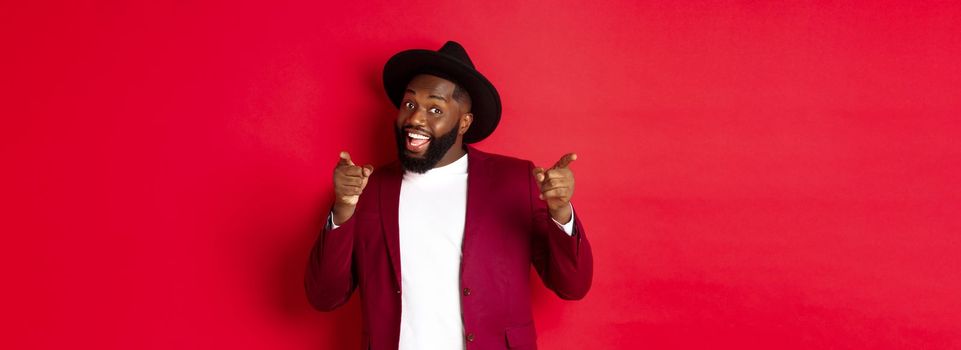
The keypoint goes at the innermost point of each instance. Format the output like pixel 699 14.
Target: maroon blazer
pixel 507 229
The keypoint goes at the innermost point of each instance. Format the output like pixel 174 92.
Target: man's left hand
pixel 557 187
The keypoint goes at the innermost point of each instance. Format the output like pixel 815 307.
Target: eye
pixel 408 105
pixel 435 110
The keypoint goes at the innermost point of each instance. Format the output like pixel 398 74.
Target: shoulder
pixel 499 162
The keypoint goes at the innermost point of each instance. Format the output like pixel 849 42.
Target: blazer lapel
pixel 389 204
pixel 476 201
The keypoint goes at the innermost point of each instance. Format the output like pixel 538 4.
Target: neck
pixel 453 154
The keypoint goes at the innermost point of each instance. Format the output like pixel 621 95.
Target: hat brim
pixel 485 102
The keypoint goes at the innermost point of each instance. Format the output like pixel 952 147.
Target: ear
pixel 465 120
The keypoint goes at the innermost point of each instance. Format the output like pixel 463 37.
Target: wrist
pixel 342 212
pixel 562 215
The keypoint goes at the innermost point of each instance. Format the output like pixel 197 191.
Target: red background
pixel 752 175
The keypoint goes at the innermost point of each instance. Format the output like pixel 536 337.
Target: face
pixel 430 124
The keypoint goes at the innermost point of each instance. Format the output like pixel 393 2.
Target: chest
pixel 431 214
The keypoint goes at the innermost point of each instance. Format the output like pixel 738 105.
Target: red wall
pixel 751 175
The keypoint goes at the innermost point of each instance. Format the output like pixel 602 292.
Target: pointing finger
pixel 368 169
pixel 566 160
pixel 557 173
pixel 345 158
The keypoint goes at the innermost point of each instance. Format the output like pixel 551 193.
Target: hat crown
pixel 457 52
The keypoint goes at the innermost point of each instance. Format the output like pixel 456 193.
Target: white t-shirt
pixel 431 220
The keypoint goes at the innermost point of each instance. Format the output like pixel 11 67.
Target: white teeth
pixel 417 136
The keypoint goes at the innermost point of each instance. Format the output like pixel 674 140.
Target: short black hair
pixel 461 96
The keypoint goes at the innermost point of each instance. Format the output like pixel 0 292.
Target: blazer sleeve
pixel 565 263
pixel 330 277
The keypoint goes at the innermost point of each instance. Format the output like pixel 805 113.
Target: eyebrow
pixel 438 97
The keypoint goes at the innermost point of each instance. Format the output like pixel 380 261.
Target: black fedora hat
pixel 452 63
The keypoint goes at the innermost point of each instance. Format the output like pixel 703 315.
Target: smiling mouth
pixel 417 142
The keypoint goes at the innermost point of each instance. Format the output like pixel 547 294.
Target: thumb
pixel 539 174
pixel 368 169
pixel 345 159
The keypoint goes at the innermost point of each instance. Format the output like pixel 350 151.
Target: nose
pixel 417 117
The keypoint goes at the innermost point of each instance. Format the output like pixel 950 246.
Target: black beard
pixel 436 150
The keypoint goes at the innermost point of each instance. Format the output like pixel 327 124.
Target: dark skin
pixel 429 108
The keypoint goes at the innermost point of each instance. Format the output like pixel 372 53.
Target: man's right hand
pixel 349 183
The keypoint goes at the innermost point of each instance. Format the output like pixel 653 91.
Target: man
pixel 441 242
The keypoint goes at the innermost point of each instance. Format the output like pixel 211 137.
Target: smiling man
pixel 440 243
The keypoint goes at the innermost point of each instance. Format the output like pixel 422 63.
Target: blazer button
pixel 466 291
pixel 398 291
pixel 470 337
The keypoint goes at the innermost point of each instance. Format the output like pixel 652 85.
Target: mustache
pixel 415 128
